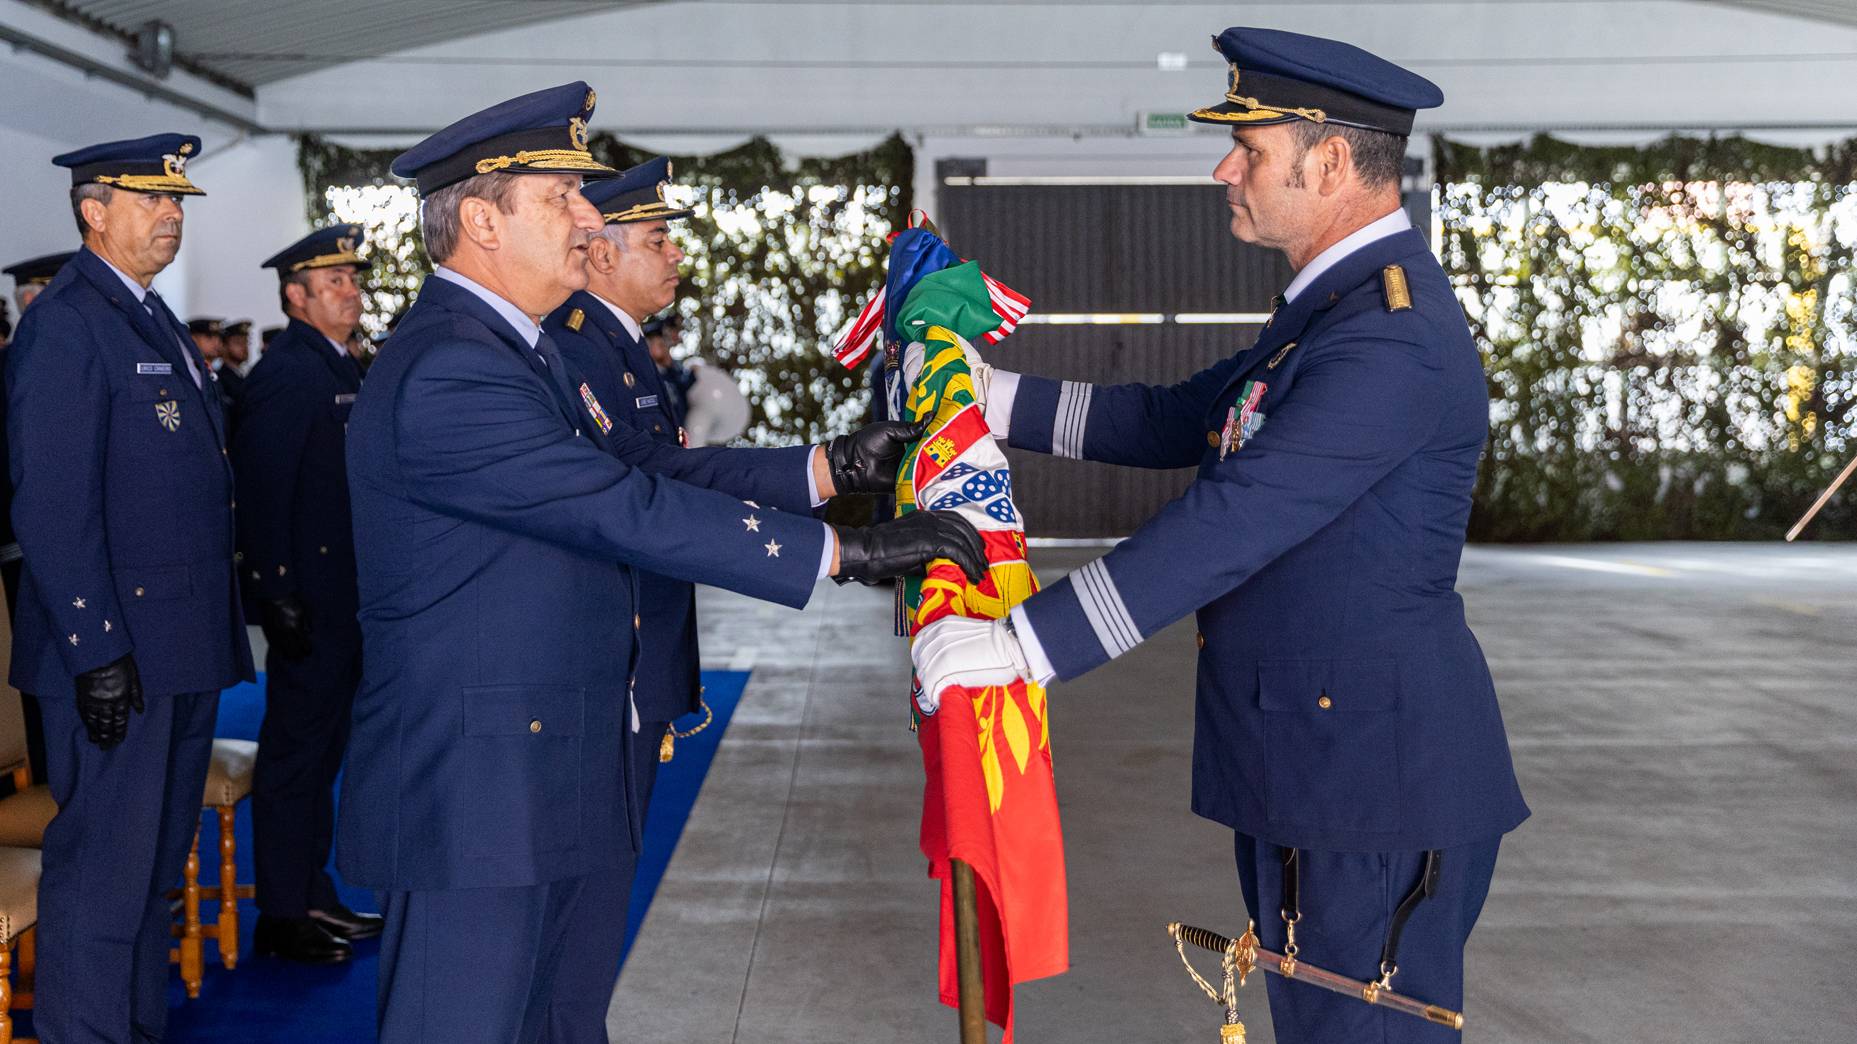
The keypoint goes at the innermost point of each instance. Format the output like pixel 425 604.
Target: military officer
pixel 234 353
pixel 488 793
pixel 298 561
pixel 30 277
pixel 129 622
pixel 33 275
pixel 632 274
pixel 660 333
pixel 1347 729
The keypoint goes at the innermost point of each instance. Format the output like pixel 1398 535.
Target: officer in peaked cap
pixel 489 792
pixel 30 277
pixel 298 560
pixel 632 269
pixel 33 275
pixel 129 622
pixel 1347 728
pixel 662 331
pixel 234 353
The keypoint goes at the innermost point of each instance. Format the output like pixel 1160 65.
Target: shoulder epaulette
pixel 1398 296
pixel 574 319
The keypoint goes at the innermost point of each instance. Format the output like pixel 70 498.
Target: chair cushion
pixel 23 816
pixel 228 778
pixel 19 892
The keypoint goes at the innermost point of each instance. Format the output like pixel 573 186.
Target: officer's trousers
pixel 1347 899
pixel 126 819
pixel 646 743
pixel 300 745
pixel 527 965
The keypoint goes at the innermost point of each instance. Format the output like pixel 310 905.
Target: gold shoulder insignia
pixel 1398 296
pixel 574 320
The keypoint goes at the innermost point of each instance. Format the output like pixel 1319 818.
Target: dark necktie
pixel 557 375
pixel 188 350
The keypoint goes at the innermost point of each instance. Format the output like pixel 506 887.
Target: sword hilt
pixel 1303 971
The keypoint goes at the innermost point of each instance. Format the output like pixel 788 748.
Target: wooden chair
pixel 19 915
pixel 228 782
pixel 24 814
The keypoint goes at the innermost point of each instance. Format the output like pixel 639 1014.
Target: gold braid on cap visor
pixel 1258 111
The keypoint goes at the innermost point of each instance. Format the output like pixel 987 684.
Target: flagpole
pixel 967 956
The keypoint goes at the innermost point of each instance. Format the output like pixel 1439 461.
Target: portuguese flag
pixel 989 798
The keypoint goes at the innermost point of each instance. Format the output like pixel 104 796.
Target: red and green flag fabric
pixel 990 799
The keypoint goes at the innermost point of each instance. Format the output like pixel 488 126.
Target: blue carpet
pixel 279 1002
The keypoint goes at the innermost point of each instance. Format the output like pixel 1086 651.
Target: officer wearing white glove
pixel 957 650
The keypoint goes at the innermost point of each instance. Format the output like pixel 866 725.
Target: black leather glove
pixel 866 460
pixel 105 696
pixel 286 625
pixel 906 545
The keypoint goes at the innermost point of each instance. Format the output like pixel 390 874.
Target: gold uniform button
pixel 1200 637
pixel 1212 439
pixel 1324 703
pixel 635 621
pixel 630 380
pixel 138 592
pixel 323 550
pixel 536 725
pixel 657 427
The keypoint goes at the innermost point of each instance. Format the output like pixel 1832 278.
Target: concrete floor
pixel 1683 717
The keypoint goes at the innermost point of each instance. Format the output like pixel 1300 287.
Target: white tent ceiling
pixel 1035 88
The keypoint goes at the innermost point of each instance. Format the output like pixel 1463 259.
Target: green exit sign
pixel 1164 123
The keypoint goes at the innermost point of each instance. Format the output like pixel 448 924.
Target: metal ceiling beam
pixel 150 88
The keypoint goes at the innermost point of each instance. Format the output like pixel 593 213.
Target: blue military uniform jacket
pixel 294 534
pixel 122 495
pixel 620 375
pixel 1343 702
pixel 495 537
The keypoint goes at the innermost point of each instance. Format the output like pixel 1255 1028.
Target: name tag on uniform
pixel 344 399
pixel 157 368
pixel 645 402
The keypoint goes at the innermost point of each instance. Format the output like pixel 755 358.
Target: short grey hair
pixel 88 190
pixel 1379 156
pixel 438 216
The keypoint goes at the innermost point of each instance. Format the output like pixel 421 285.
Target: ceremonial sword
pixel 1799 526
pixel 1243 954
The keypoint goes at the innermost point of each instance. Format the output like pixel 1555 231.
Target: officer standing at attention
pixel 298 557
pixel 34 275
pixel 234 353
pixel 660 333
pixel 632 274
pixel 488 792
pixel 129 621
pixel 1347 728
pixel 30 277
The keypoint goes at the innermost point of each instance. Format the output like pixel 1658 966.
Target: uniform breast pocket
pixel 522 773
pixel 1331 735
pixel 153 411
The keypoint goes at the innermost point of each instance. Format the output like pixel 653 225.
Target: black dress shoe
pixel 342 921
pixel 300 939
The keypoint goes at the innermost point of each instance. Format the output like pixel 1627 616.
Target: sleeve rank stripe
pixel 1102 605
pixel 1073 414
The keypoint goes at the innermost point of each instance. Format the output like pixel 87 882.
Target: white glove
pixel 956 650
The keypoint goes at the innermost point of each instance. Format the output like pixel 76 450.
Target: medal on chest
pixel 1243 419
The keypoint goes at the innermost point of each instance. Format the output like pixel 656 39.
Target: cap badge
pixel 577 129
